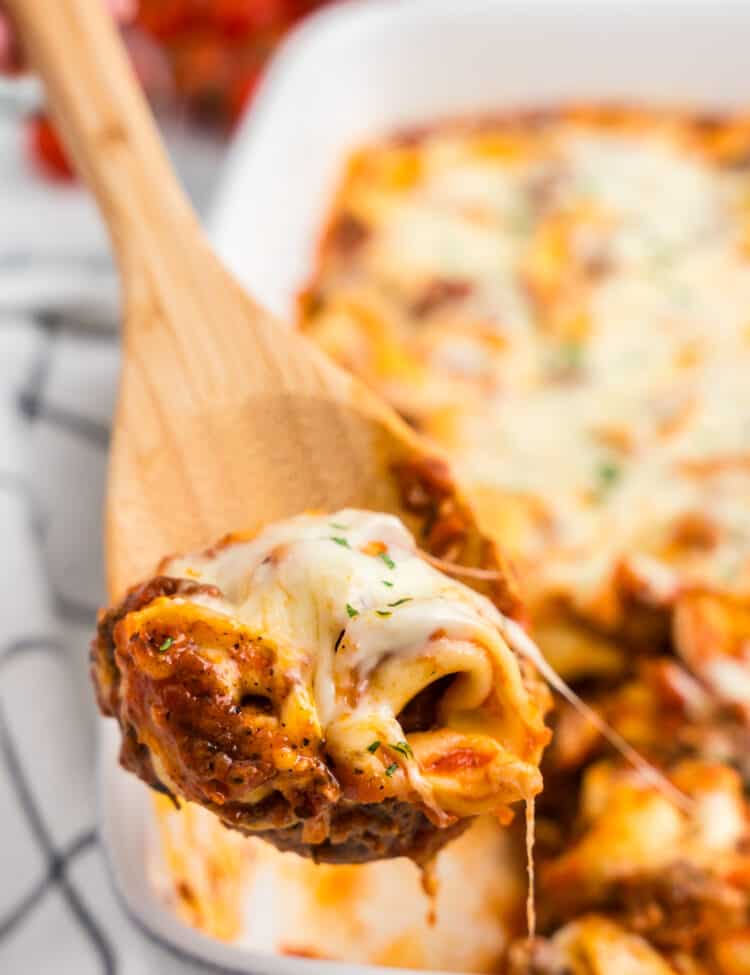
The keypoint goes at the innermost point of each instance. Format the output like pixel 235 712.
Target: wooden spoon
pixel 225 420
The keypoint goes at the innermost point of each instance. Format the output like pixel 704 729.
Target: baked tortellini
pixel 324 686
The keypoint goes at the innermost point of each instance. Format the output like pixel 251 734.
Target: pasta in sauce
pixel 321 685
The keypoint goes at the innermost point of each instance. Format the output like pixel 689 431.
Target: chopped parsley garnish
pixel 571 355
pixel 566 360
pixel 662 257
pixel 386 583
pixel 608 474
pixel 729 571
pixel 373 747
pixel 166 645
pixel 400 602
pixel 340 541
pixel 388 560
pixel 339 638
pixel 384 612
pixel 393 767
pixel 351 611
pixel 585 185
pixel 519 218
pixel 403 748
pixel 338 525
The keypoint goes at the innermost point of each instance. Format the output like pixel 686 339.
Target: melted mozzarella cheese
pixel 592 373
pixel 357 613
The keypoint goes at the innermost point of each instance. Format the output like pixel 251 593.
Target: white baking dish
pixel 351 72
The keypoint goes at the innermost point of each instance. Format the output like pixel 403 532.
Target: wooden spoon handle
pixel 95 98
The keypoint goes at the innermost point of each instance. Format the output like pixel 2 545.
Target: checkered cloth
pixel 58 370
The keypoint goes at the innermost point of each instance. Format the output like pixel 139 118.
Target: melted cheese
pixel 589 375
pixel 358 615
pixel 563 304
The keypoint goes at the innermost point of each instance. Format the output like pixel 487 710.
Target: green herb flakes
pixel 388 560
pixel 351 611
pixel 608 473
pixel 166 645
pixel 571 355
pixel 391 769
pixel 373 747
pixel 403 748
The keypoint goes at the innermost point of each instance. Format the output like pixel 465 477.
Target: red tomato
pixel 203 70
pixel 165 18
pixel 301 8
pixel 207 53
pixel 242 92
pixel 238 18
pixel 47 150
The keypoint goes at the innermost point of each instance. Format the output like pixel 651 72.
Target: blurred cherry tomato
pixel 207 55
pixel 202 68
pixel 215 47
pixel 301 8
pixel 46 149
pixel 242 92
pixel 237 18
pixel 166 18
